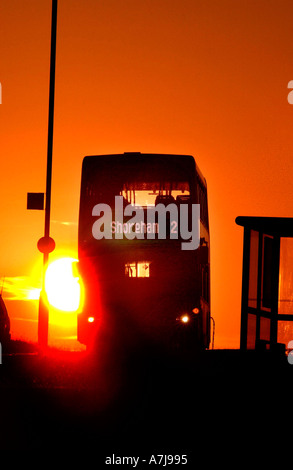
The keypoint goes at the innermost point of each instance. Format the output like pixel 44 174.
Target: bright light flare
pixel 62 285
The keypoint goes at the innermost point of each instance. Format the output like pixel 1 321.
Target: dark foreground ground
pixel 225 406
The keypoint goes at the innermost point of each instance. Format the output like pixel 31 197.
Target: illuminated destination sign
pixel 151 223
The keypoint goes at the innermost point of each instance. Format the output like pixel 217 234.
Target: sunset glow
pixel 62 285
pixel 208 79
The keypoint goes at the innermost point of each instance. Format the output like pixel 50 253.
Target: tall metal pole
pixel 43 306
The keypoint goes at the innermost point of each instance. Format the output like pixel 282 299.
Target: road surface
pixel 145 406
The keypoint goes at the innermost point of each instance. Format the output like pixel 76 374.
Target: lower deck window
pixel 137 269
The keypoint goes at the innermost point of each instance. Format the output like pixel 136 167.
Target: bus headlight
pixel 184 318
pixel 188 317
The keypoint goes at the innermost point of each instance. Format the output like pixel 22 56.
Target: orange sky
pixel 207 78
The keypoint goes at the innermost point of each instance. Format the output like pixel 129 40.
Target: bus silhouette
pixel 144 285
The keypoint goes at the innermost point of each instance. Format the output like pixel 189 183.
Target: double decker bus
pixel 143 286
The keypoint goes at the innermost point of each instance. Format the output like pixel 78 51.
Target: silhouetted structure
pixel 267 282
pixel 145 287
pixel 43 319
pixel 4 322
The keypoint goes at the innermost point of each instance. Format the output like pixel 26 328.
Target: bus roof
pixel 130 156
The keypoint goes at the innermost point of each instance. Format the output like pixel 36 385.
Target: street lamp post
pixel 46 244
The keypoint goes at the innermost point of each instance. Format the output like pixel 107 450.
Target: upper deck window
pixel 147 194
